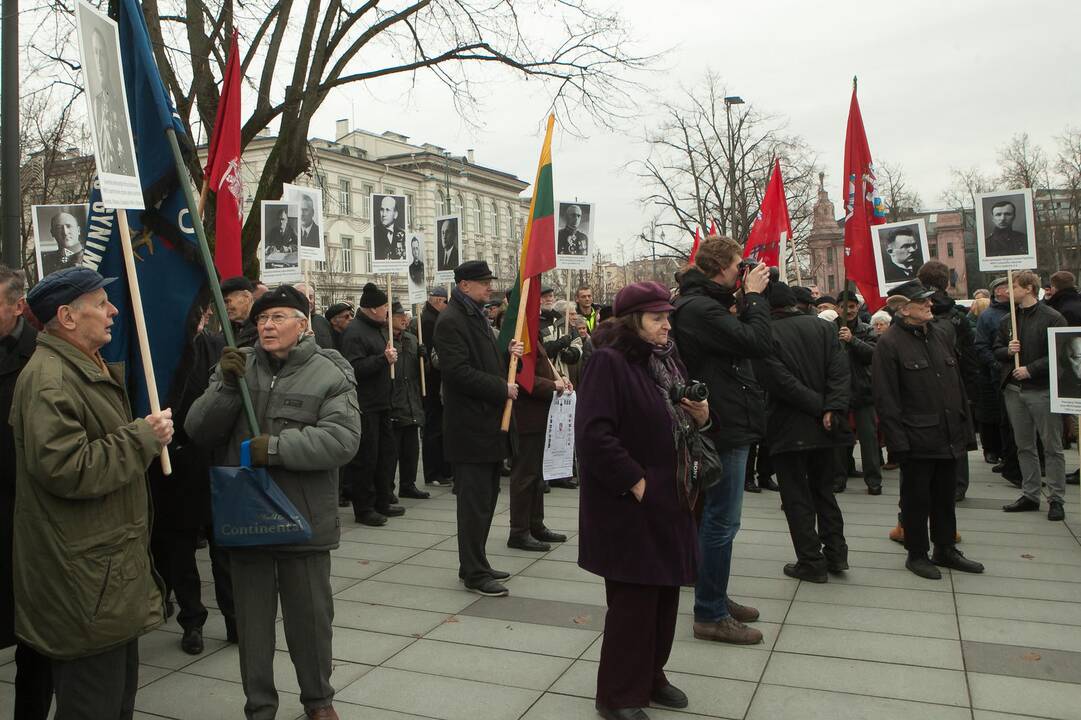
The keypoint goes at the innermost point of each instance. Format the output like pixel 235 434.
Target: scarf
pixel 666 375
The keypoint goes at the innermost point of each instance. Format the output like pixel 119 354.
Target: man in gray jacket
pixel 310 422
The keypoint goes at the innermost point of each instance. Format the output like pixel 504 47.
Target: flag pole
pixel 203 193
pixel 420 339
pixel 208 265
pixel 1013 321
pixel 140 328
pixel 512 369
pixel 567 313
pixel 390 317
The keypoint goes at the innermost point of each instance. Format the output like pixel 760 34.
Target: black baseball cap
pixel 62 288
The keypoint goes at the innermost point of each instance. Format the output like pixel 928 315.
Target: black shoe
pixel 874 490
pixel 923 567
pixel 839 486
pixel 527 543
pixel 958 496
pixel 547 488
pixel 230 632
pixel 192 642
pixel 201 542
pixel 372 518
pixel 414 492
pixel 1055 512
pixel 837 567
pixel 565 483
pixel 344 502
pixel 768 483
pixel 669 696
pixel 802 572
pixel 498 574
pixel 1073 478
pixel 488 588
pixel 1022 504
pixel 392 510
pixel 749 486
pixel 998 467
pixel 952 558
pixel 990 457
pixel 393 498
pixel 621 713
pixel 549 536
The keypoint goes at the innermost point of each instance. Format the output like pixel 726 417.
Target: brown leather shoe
pixel 324 713
pixel 743 613
pixel 728 630
pixel 898 534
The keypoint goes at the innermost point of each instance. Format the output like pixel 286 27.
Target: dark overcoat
pixel 624 433
pixel 474 378
pixel 11 364
pixel 363 344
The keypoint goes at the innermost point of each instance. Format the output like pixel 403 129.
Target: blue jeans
pixel 720 522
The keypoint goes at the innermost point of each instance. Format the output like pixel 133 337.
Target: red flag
pixel 764 240
pixel 223 170
pixel 863 208
pixel 694 248
pixel 712 227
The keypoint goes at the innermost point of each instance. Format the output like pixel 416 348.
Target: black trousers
pixel 174 558
pixel 407 448
pixel 759 463
pixel 223 582
pixel 927 494
pixel 638 632
pixel 98 687
pixel 806 480
pixel 436 468
pixel 527 486
pixel 33 684
pixel 477 491
pixel 371 471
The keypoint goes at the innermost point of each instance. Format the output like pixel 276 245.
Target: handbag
pixel 249 509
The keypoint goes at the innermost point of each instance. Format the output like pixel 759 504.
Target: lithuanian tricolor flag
pixel 538 255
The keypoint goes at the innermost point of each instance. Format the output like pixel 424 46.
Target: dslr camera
pixel 692 390
pixel 748 264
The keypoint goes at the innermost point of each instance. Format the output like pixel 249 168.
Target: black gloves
pixel 260 451
pixel 233 366
pixel 422 350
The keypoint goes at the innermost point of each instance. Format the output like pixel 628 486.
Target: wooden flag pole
pixel 1013 318
pixel 203 194
pixel 420 339
pixel 390 318
pixel 140 329
pixel 567 314
pixel 512 369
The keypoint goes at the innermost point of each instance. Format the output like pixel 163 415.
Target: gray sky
pixel 942 85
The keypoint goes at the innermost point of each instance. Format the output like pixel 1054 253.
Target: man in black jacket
pixel 475 390
pixel 406 413
pixel 18 339
pixel 858 341
pixel 716 347
pixel 339 315
pixel 370 475
pixel 1066 299
pixel 238 294
pixel 437 470
pixel 924 415
pixel 808 382
pixel 1028 396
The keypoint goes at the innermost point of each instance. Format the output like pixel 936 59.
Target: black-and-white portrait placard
pixel 418 288
pixel 281 255
pixel 900 249
pixel 310 232
pixel 576 223
pixel 110 126
pixel 59 234
pixel 448 247
pixel 390 253
pixel 1064 352
pixel 1006 230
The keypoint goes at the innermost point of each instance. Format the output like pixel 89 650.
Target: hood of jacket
pixel 695 282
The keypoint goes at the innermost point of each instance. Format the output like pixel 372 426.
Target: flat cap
pixel 648 296
pixel 907 292
pixel 397 309
pixel 825 299
pixel 438 292
pixel 337 309
pixel 473 270
pixel 233 284
pixel 996 282
pixel 62 288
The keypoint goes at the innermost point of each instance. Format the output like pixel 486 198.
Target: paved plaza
pixel 879 642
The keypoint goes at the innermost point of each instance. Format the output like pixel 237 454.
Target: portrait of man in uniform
pixel 104 93
pixel 58 235
pixel 1003 239
pixel 572 239
pixel 389 227
pixel 416 267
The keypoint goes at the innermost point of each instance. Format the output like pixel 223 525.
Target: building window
pixel 347 254
pixel 321 265
pixel 459 203
pixel 366 191
pixel 345 196
pixel 829 283
pixel 387 189
pixel 410 200
pixel 321 178
pixel 440 202
pixel 934 250
pixel 493 219
pixel 949 247
pixel 478 217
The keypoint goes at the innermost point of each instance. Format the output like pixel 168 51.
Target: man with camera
pixel 717 347
pixel 808 383
pixel 858 342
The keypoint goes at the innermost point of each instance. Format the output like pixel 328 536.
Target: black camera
pixel 747 264
pixel 693 390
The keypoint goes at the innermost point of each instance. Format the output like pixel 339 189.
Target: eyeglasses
pixel 275 319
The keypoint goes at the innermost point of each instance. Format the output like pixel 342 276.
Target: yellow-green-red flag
pixel 538 255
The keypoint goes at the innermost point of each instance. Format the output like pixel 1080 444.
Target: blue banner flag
pixel 166 250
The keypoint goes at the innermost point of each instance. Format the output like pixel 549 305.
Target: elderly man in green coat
pixel 85 587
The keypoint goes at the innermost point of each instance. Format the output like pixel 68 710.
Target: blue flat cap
pixel 62 288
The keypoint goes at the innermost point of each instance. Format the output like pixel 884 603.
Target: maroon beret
pixel 649 296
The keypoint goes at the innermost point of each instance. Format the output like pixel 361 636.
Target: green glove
pixel 233 366
pixel 260 451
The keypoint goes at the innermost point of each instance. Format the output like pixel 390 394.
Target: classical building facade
pixel 358 163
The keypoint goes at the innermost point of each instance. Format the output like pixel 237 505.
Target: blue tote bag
pixel 250 509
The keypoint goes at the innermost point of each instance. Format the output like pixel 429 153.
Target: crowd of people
pixel 687 397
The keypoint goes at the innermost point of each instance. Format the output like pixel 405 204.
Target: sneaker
pixel 728 630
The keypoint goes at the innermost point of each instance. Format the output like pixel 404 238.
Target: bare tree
pixel 1022 164
pixel 902 201
pixel 965 185
pixel 298 53
pixel 709 160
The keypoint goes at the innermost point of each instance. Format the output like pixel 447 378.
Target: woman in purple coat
pixel 636 527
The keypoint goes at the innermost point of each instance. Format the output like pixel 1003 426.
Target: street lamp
pixel 729 101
